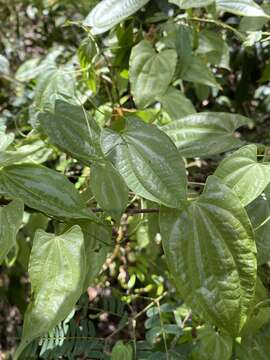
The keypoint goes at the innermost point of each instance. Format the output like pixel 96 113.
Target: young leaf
pixel 241 7
pixel 73 130
pixel 148 161
pixel 109 189
pixel 210 251
pixel 45 190
pixel 244 174
pixel 176 104
pixel 121 351
pixel 57 273
pixel 211 342
pixel 109 13
pixel 205 134
pixel 10 221
pixel 150 72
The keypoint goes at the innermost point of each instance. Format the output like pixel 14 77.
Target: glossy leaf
pixel 211 342
pixel 241 7
pixel 73 130
pixel 109 189
pixel 10 221
pixel 5 139
pixel 206 133
pixel 9 157
pixel 57 273
pixel 210 251
pixel 148 161
pixel 176 104
pixel 244 174
pixel 45 190
pixel 109 13
pixel 150 72
pixel 187 4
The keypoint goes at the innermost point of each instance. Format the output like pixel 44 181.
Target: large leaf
pixel 148 161
pixel 73 130
pixel 244 174
pixel 57 273
pixel 109 189
pixel 45 190
pixel 10 221
pixel 211 342
pixel 241 7
pixel 187 4
pixel 205 134
pixel 176 104
pixel 210 250
pixel 109 13
pixel 259 213
pixel 150 72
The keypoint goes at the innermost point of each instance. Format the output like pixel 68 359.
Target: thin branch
pixel 132 211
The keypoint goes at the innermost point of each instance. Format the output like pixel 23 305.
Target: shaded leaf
pixel 10 221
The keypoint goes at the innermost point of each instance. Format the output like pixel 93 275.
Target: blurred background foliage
pixel 133 300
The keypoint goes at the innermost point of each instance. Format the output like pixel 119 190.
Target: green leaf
pixel 206 133
pixel 176 104
pixel 198 72
pixel 259 213
pixel 45 190
pixel 5 139
pixel 239 168
pixel 109 189
pixel 210 251
pixel 10 221
pixel 73 130
pixel 187 4
pixel 9 157
pixel 98 244
pixel 57 272
pixel 109 13
pixel 4 65
pixel 241 7
pixel 54 84
pixel 213 345
pixel 150 72
pixel 148 161
pixel 121 351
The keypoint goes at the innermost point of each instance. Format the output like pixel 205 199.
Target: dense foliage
pixel 135 179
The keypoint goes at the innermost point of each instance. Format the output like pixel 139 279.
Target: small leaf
pixel 10 221
pixel 109 13
pixel 241 7
pixel 206 133
pixel 148 162
pixel 109 189
pixel 45 190
pixel 122 351
pixel 73 130
pixel 57 272
pixel 150 72
pixel 210 251
pixel 239 168
pixel 5 139
pixel 176 104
